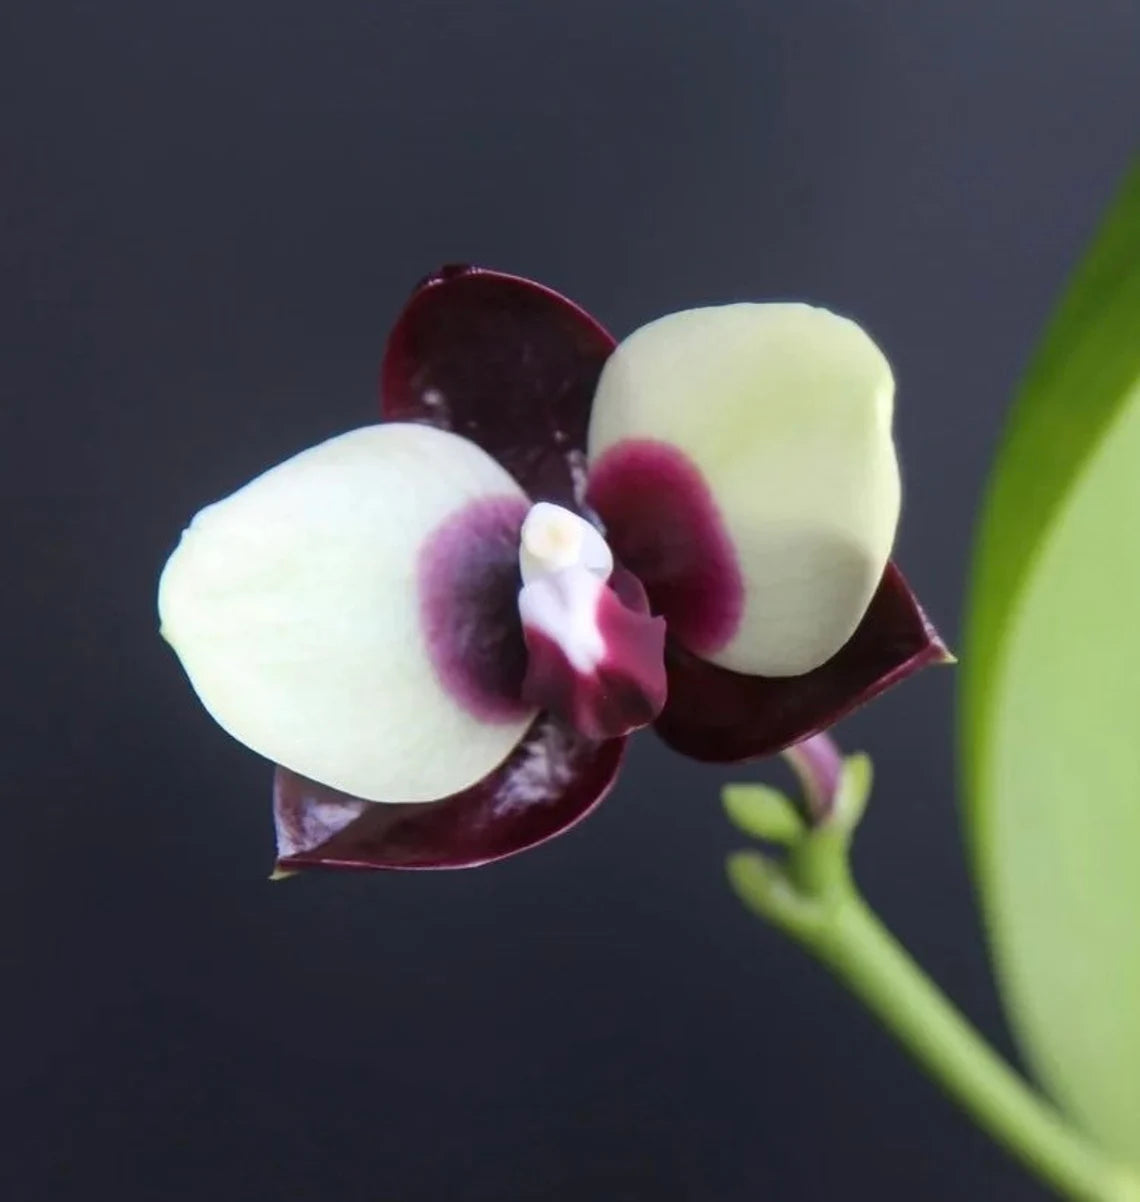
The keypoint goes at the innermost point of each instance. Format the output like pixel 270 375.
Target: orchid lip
pixel 594 660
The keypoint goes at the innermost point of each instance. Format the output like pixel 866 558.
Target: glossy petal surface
pixel 505 362
pixel 753 443
pixel 552 780
pixel 351 613
pixel 721 716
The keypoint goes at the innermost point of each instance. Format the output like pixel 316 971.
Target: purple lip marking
pixel 662 522
pixel 468 580
pixel 622 692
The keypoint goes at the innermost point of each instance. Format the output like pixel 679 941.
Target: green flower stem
pixel 812 897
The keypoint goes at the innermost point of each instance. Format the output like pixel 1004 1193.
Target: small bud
pixel 818 763
pixel 855 780
pixel 763 813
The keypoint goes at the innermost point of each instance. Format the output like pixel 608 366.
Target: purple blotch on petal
pixel 550 782
pixel 716 715
pixel 663 523
pixel 505 362
pixel 468 580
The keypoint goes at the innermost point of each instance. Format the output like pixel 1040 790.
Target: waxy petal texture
pixel 505 362
pixel 741 459
pixel 716 715
pixel 551 781
pixel 352 613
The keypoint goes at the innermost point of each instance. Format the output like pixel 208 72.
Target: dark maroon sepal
pixel 505 362
pixel 716 715
pixel 551 781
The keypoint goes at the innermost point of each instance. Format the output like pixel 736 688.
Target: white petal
pixel 296 608
pixel 785 410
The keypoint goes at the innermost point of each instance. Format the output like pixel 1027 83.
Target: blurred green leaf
pixel 1050 718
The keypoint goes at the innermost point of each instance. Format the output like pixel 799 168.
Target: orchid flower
pixel 443 628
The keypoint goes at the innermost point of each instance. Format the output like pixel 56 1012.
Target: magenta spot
pixel 468 588
pixel 663 524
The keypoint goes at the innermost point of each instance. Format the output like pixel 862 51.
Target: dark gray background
pixel 211 212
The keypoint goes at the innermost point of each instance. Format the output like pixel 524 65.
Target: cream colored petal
pixel 785 410
pixel 296 606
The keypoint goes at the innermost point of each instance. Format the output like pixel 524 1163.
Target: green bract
pixel 1050 715
pixel 763 813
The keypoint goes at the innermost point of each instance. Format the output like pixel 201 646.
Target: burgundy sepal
pixel 716 715
pixel 552 780
pixel 505 362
